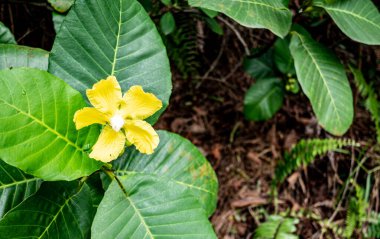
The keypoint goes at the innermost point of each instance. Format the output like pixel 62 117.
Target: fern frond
pixel 277 227
pixel 368 93
pixel 304 154
pixel 373 230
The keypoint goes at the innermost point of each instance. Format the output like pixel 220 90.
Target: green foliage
pixel 277 227
pixel 61 5
pixel 359 20
pixel 15 187
pixel 272 15
pixel 57 20
pixel 150 207
pixel 103 38
pixel 304 153
pixel 23 56
pixel 176 160
pixel 38 134
pixel 324 81
pixel 58 210
pixel 167 23
pixel 373 230
pixel 356 212
pixel 368 93
pixel 262 66
pixel 282 57
pixel 263 99
pixel 6 36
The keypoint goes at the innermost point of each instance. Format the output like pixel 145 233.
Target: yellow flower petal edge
pixel 122 117
pixel 106 95
pixel 138 104
pixel 88 116
pixel 109 145
pixel 142 135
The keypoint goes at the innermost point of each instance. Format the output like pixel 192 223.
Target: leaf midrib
pixel 15 183
pixel 124 172
pixel 323 79
pixel 44 125
pixel 117 40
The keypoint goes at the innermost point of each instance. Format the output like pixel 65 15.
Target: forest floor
pixel 208 110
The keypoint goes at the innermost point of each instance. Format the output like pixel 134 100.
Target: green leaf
pixel 214 25
pixel 6 35
pixel 38 134
pixel 15 187
pixel 263 99
pixel 167 23
pixel 166 2
pixel 150 207
pixel 282 57
pixel 57 20
pixel 176 160
pixel 101 38
pixel 57 210
pixel 209 13
pixel 277 227
pixel 23 56
pixel 61 5
pixel 323 80
pixel 359 20
pixel 269 14
pixel 260 67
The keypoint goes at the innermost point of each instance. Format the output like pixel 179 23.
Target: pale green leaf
pixel 176 160
pixel 263 99
pixel 57 20
pixel 6 35
pixel 269 14
pixel 359 20
pixel 167 23
pixel 15 187
pixel 100 38
pixel 61 5
pixel 58 210
pixel 150 208
pixel 277 227
pixel 37 131
pixel 323 80
pixel 23 56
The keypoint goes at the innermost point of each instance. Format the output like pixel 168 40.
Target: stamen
pixel 117 122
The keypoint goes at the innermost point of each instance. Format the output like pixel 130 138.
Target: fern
pixel 373 230
pixel 371 103
pixel 277 227
pixel 304 154
pixel 356 212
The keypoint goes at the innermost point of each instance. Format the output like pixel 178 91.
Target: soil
pixel 208 110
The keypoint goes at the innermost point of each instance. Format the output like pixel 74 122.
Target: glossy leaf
pixel 37 131
pixel 269 14
pixel 61 5
pixel 176 160
pixel 359 20
pixel 282 57
pixel 6 35
pixel 323 80
pixel 263 99
pixel 150 207
pixel 260 67
pixel 57 210
pixel 101 38
pixel 15 187
pixel 23 56
pixel 167 23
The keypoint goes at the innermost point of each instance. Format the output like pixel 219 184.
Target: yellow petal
pixel 88 116
pixel 109 145
pixel 142 135
pixel 106 95
pixel 139 104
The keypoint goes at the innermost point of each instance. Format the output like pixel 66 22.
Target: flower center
pixel 117 122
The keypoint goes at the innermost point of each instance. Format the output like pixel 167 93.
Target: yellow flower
pixel 122 117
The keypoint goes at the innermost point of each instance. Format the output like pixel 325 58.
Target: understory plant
pixel 79 157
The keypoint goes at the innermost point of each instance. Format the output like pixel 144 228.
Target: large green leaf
pixel 263 99
pixel 324 81
pixel 22 56
pixel 177 160
pixel 360 20
pixel 6 35
pixel 15 187
pixel 269 14
pixel 149 207
pixel 100 38
pixel 58 210
pixel 37 131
